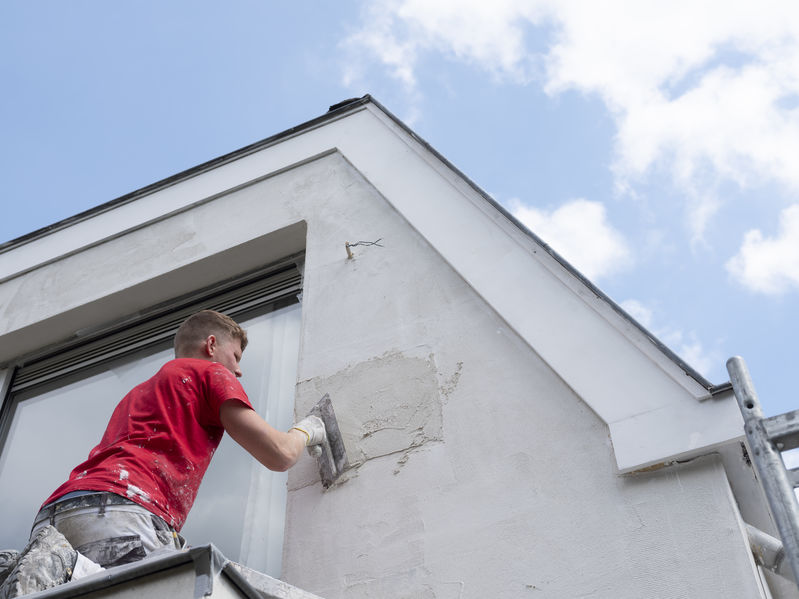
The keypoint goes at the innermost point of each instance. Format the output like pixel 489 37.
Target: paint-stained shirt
pixel 160 439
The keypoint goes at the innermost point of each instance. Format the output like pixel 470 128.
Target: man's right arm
pixel 275 449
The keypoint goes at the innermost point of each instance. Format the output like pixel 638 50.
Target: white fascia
pixel 653 409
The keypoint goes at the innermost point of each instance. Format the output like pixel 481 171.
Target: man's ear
pixel 209 346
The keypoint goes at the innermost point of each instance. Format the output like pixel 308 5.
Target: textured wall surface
pixel 477 471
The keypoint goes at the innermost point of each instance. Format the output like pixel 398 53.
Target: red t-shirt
pixel 160 439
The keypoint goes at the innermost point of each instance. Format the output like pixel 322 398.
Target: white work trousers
pixel 111 536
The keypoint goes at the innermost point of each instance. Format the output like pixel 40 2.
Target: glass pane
pixel 53 431
pixel 241 506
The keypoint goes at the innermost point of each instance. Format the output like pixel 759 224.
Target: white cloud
pixel 770 265
pixel 488 35
pixel 686 345
pixel 696 355
pixel 579 231
pixel 707 91
pixel 639 311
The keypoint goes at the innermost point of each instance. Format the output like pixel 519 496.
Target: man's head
pixel 210 335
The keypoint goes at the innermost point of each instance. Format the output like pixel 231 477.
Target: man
pixel 131 497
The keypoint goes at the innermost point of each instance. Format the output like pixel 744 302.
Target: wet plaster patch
pixel 450 383
pixel 386 405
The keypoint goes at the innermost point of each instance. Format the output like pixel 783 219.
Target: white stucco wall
pixel 480 472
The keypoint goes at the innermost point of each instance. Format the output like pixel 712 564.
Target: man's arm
pixel 276 450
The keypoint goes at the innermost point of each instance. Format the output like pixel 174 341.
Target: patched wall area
pixel 392 404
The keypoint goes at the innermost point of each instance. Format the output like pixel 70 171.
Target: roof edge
pixel 333 112
pixel 712 389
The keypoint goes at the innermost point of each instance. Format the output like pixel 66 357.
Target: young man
pixel 131 496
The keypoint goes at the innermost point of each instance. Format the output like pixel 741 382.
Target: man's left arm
pixel 275 449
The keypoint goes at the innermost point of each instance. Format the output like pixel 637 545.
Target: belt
pixel 99 500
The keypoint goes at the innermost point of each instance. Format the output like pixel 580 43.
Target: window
pixel 59 404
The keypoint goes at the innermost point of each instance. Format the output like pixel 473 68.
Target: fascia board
pixel 617 372
pixel 651 406
pixel 681 430
pixel 284 153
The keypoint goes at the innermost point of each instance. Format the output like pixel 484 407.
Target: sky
pixel 654 145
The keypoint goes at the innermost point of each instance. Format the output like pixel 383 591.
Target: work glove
pixel 314 429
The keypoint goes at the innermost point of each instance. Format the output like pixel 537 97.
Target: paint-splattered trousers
pixel 107 529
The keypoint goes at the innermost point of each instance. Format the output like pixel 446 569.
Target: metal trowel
pixel 330 455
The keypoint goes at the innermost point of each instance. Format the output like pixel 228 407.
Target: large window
pixel 60 403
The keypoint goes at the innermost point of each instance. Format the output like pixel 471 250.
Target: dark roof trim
pixel 711 388
pixel 335 111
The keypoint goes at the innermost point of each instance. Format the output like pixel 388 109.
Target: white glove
pixel 314 429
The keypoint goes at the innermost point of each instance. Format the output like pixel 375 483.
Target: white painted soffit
pixel 648 401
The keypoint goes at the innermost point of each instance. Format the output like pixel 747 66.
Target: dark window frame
pixel 266 289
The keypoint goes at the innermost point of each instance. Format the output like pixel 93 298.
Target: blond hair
pixel 196 328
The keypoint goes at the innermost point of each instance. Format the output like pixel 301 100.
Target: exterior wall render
pixel 480 473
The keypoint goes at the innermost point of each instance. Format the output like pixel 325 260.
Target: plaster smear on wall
pixel 385 405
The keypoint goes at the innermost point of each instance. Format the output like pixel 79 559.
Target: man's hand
pixel 314 429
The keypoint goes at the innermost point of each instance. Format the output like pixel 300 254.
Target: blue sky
pixel 654 145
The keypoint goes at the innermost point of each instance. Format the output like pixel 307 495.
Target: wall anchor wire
pixel 348 245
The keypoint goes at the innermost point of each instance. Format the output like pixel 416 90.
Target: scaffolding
pixel 767 439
